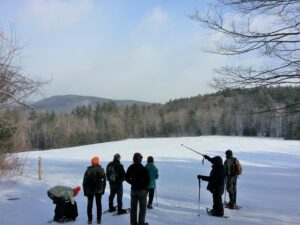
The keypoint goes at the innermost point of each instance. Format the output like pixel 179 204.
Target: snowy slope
pixel 268 190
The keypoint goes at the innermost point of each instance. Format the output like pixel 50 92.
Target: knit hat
pixel 95 160
pixel 76 190
pixel 137 157
pixel 150 159
pixel 228 153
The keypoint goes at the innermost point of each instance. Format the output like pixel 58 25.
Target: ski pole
pixel 199 197
pixel 194 151
pixel 225 190
pixel 156 197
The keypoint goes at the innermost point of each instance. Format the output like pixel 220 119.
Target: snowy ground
pixel 268 189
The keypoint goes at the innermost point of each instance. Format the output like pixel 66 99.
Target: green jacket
pixel 65 192
pixel 153 173
pixel 230 173
pixel 229 167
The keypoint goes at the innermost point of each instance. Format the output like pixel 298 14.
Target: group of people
pixel 222 176
pixel 141 178
pixel 143 183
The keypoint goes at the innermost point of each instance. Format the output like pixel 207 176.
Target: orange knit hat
pixel 95 160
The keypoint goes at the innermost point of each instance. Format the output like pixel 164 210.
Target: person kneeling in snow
pixel 215 184
pixel 63 198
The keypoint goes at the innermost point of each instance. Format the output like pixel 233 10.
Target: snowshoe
pixel 110 210
pixel 121 212
pixel 229 206
pixel 210 213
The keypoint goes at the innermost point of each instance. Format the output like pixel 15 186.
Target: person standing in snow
pixel 115 174
pixel 153 173
pixel 215 184
pixel 94 182
pixel 65 205
pixel 138 177
pixel 231 178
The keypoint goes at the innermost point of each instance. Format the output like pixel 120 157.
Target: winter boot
pixel 112 209
pixel 122 211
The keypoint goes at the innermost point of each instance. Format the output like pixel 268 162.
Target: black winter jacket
pixel 137 175
pixel 119 170
pixel 216 177
pixel 94 180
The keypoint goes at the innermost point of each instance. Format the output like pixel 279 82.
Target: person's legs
pixel 151 195
pixel 90 207
pixel 218 209
pixel 234 195
pixel 120 196
pixel 133 211
pixel 231 188
pixel 111 198
pixel 143 203
pixel 59 212
pixel 99 207
pixel 71 211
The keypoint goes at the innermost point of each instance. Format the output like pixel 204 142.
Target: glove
pixel 205 156
pixel 199 177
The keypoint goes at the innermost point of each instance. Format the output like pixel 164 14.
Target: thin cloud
pixel 54 14
pixel 158 16
pixel 153 22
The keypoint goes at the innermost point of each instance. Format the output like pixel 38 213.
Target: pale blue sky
pixel 146 50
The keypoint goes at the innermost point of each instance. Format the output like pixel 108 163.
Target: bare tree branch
pixel 278 44
pixel 14 86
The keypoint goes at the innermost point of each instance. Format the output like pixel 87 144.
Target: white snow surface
pixel 268 189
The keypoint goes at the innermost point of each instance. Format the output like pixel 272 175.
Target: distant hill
pixel 66 103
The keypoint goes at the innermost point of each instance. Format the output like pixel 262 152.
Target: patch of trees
pixel 222 113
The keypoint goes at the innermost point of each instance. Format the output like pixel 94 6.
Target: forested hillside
pixel 230 112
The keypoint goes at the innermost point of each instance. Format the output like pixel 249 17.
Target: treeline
pixel 230 112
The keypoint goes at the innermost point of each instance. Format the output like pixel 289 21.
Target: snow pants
pixel 218 209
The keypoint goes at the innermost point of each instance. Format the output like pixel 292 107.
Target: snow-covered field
pixel 268 189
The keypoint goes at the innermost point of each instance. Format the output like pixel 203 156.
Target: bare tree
pixel 14 85
pixel 268 28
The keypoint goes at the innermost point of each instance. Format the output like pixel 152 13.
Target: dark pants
pixel 218 209
pixel 60 207
pixel 90 206
pixel 59 211
pixel 231 189
pixel 115 190
pixel 151 195
pixel 138 197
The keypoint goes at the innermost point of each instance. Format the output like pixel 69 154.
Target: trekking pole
pixel 194 151
pixel 156 197
pixel 199 197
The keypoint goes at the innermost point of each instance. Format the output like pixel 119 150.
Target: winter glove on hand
pixel 199 177
pixel 205 156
